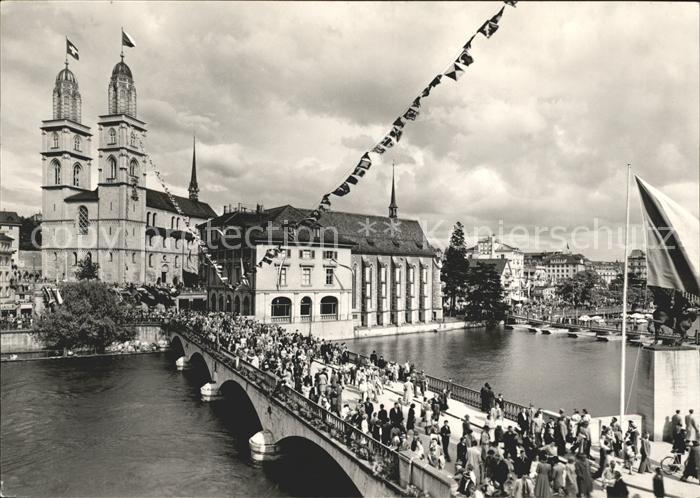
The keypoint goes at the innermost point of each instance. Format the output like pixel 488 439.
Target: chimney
pixel 225 209
pixel 259 208
pixel 492 243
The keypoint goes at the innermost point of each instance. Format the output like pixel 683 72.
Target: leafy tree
pixel 455 267
pixel 636 289
pixel 484 293
pixel 87 270
pixel 91 316
pixel 583 288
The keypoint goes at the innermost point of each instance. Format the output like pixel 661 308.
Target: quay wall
pixel 23 341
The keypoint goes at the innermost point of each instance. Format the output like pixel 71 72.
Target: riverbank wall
pixel 407 328
pixel 23 341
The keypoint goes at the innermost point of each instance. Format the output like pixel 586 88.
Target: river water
pixel 551 371
pixel 134 426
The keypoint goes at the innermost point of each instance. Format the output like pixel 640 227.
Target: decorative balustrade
pixel 463 394
pixel 385 461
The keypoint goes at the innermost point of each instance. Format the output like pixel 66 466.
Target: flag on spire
pixel 127 41
pixel 71 50
pixel 672 241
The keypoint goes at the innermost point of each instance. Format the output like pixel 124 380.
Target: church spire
pixel 393 207
pixel 194 188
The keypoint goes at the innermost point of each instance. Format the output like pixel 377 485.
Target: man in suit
pixel 524 421
pixel 676 423
pixel 691 426
pixel 692 464
pixel 510 443
pixel 561 431
pixel 396 415
pixel 445 433
pixel 382 415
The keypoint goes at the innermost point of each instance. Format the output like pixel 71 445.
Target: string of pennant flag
pixel 454 71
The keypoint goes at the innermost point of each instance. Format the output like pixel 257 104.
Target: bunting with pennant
pixel 491 26
pixel 393 136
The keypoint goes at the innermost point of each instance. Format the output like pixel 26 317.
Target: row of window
pixel 239 306
pixel 110 258
pixel 151 221
pixel 305 276
pixel 310 254
pixel 281 307
pixel 179 243
pixel 77 168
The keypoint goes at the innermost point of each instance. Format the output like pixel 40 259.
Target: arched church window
pixel 76 143
pixel 154 219
pixel 111 258
pixel 83 220
pixel 172 222
pixel 112 168
pixel 133 167
pixel 56 172
pixel 150 260
pixel 76 175
pixel 148 219
pixel 112 136
pixel 177 261
pixel 54 137
pixel 75 258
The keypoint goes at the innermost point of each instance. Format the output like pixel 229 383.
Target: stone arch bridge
pixel 374 469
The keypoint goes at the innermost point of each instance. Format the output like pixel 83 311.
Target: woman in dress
pixel 544 474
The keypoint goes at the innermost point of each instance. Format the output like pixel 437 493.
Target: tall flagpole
pixel 624 302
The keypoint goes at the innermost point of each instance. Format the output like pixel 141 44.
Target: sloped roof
pixel 87 196
pixel 637 254
pixel 499 264
pixel 379 234
pixel 569 259
pixel 367 234
pixel 195 209
pixel 501 246
pixel 10 218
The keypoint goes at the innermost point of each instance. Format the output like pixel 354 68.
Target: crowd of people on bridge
pixel 540 454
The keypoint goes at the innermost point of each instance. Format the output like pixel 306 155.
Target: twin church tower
pixel 135 234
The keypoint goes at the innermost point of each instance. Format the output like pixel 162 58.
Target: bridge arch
pixel 240 415
pixel 177 348
pixel 306 469
pixel 200 367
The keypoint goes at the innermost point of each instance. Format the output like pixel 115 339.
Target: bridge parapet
pixel 376 469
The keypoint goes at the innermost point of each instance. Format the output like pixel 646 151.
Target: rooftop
pixel 10 218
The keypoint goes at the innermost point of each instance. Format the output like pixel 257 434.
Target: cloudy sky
pixel 285 97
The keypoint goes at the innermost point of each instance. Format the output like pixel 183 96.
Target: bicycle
pixel 672 464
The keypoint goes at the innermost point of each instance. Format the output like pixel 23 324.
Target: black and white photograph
pixel 349 249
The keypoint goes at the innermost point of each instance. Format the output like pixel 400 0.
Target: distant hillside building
pixel 511 268
pixel 637 263
pixel 135 234
pixel 607 270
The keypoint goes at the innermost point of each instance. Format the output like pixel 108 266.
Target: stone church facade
pixel 134 233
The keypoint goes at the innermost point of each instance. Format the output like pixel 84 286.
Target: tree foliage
pixel 583 288
pixel 484 294
pixel 91 316
pixel 636 290
pixel 455 267
pixel 87 270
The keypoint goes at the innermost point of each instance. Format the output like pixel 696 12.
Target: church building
pixel 355 274
pixel 134 233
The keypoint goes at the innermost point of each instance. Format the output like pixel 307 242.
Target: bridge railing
pixel 466 395
pixel 384 459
